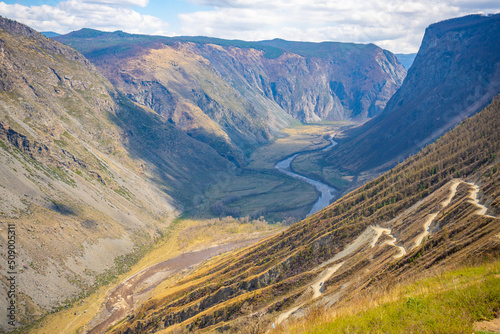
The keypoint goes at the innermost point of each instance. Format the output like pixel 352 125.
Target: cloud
pixel 393 24
pixel 66 16
pixel 121 3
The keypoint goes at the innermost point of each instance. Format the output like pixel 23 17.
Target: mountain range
pixel 236 95
pixel 106 138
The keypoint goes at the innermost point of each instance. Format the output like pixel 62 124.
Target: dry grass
pixel 472 292
pixel 183 236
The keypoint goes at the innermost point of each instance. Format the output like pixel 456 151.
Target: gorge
pixel 128 151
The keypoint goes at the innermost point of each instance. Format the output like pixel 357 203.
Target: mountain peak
pixel 87 33
pixel 460 22
pixel 16 28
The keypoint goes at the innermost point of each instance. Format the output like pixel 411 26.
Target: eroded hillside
pixel 437 209
pixel 86 177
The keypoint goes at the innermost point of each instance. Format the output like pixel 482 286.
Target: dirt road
pixel 473 193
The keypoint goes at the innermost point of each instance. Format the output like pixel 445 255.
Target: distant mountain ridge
pixel 236 95
pixel 50 34
pixel 406 59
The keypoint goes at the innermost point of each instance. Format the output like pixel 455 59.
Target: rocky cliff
pixel 455 73
pixel 236 95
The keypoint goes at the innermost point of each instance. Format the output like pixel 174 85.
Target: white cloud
pixel 121 3
pixel 108 15
pixel 393 24
pixel 396 25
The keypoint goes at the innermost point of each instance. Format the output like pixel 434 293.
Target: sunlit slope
pixel 87 176
pixel 464 300
pixel 438 208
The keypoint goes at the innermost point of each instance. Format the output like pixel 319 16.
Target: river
pixel 123 299
pixel 327 193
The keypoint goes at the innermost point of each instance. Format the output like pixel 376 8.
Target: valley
pixel 363 241
pixel 169 261
pixel 261 189
pixel 194 184
pixel 187 244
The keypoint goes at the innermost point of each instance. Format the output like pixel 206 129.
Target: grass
pixel 261 190
pixel 298 139
pixel 183 235
pixel 265 193
pixel 315 167
pixel 449 302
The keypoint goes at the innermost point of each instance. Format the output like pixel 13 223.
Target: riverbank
pixel 327 193
pixel 260 189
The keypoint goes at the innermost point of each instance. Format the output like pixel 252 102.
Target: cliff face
pixel 314 81
pixel 236 95
pixel 87 177
pixel 455 73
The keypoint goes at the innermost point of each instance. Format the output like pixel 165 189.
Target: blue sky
pixel 396 25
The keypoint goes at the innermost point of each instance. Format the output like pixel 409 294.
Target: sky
pixel 395 25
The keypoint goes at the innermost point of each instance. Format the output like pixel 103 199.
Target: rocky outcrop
pixel 33 148
pixel 455 73
pixel 314 81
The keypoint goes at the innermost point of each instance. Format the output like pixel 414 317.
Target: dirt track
pixel 373 233
pixel 432 216
pixel 473 193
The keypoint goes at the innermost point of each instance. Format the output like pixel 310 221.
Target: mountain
pixel 437 210
pixel 50 34
pixel 455 73
pixel 406 59
pixel 236 95
pixel 88 178
pixel 99 156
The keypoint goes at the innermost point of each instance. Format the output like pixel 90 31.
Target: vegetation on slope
pixel 449 302
pixel 270 276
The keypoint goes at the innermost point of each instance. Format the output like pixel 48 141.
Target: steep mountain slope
pixel 439 208
pixel 236 95
pixel 455 73
pixel 86 176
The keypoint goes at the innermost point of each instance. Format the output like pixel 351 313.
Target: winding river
pixel 326 192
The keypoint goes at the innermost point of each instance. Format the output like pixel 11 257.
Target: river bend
pixel 327 193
